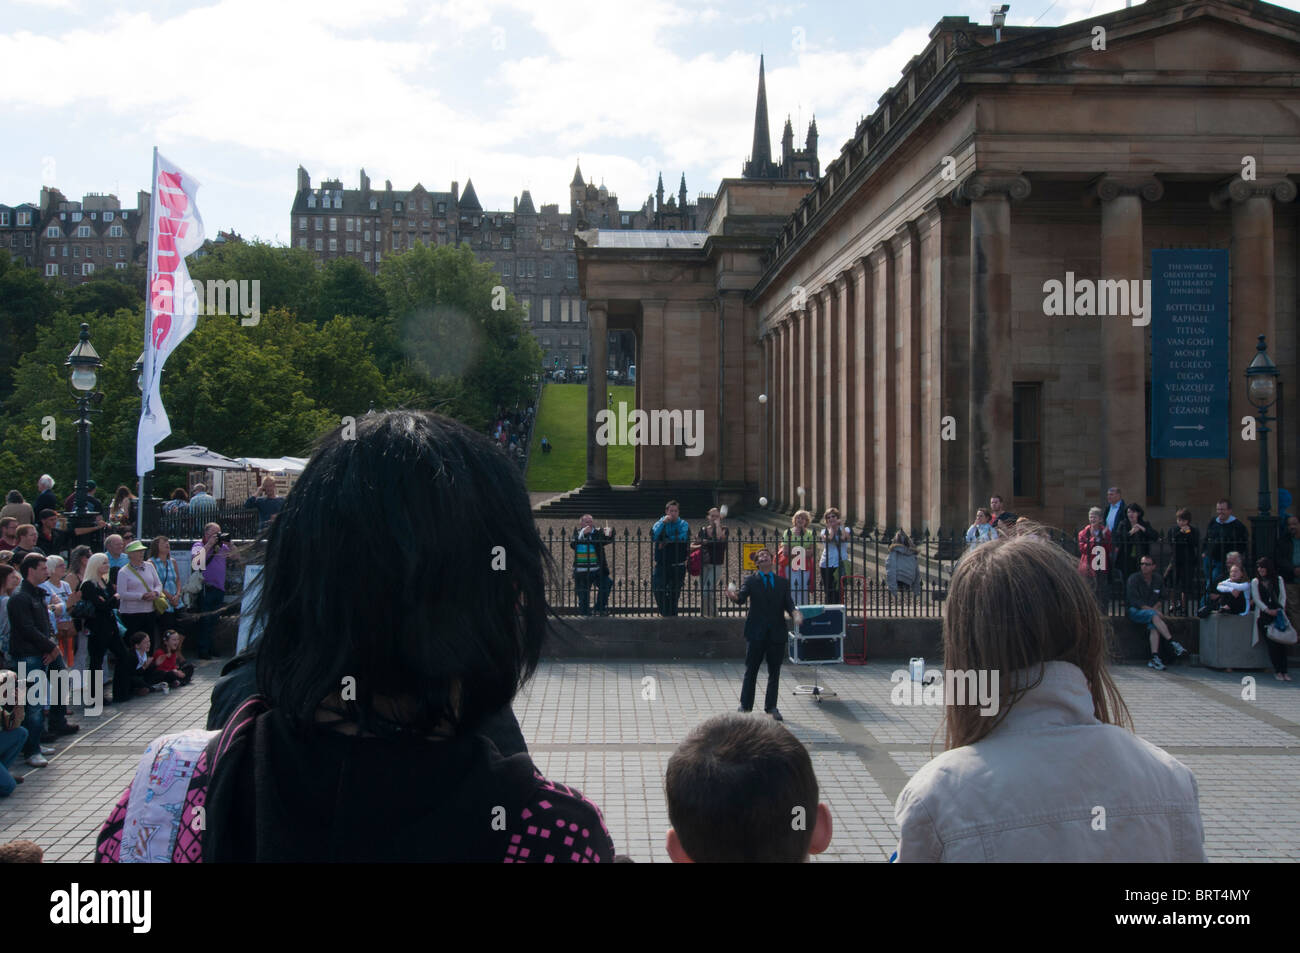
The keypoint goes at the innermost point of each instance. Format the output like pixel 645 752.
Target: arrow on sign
pixel 1197 427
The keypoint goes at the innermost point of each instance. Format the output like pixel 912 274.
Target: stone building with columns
pixel 894 312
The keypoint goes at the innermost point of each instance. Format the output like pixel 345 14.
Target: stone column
pixel 827 403
pixel 651 372
pixel 1253 297
pixel 907 357
pixel 863 449
pixel 990 424
pixel 776 408
pixel 813 401
pixel 1123 345
pixel 884 385
pixel 597 345
pixel 789 410
pixel 842 487
pixel 930 334
pixel 799 402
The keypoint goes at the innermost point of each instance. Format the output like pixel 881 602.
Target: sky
pixel 510 93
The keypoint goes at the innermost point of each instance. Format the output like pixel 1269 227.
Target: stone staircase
pixel 626 503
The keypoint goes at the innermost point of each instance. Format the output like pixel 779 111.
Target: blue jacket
pixel 676 535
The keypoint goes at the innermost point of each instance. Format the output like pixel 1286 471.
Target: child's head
pixel 140 641
pixel 742 788
pixel 1236 573
pixel 171 640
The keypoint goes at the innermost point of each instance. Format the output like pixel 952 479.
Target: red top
pixel 166 663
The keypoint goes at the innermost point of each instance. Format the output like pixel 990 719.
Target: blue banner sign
pixel 1189 353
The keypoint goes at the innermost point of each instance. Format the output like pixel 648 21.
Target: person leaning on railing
pixel 1184 559
pixel 713 559
pixel 833 563
pixel 901 570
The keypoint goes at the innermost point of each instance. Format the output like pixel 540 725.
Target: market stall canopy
pixel 198 457
pixel 275 464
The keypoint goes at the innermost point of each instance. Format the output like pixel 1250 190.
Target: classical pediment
pixel 1201 36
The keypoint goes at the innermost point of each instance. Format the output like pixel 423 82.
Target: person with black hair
pixel 742 790
pixel 378 666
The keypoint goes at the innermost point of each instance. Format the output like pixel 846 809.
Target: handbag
pixel 695 561
pixel 1281 631
pixel 160 605
pixel 82 609
pixel 193 589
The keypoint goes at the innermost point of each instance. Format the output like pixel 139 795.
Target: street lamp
pixel 1261 391
pixel 83 374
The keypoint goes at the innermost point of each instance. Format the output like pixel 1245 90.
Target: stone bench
pixel 1225 642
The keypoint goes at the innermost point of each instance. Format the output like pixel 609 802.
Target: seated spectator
pixel 742 790
pixel 169 662
pixel 1270 606
pixel 1031 755
pixel 143 676
pixel 1236 592
pixel 1144 593
pixel 365 738
pixel 901 571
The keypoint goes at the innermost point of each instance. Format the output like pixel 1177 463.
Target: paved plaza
pixel 601 727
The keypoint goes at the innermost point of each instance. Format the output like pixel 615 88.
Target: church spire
pixel 761 153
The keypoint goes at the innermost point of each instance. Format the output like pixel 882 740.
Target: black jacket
pixel 1223 538
pixel 1129 549
pixel 29 622
pixel 766 618
pixel 1282 559
pixel 597 539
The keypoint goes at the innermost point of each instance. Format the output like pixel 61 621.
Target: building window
pixel 397 206
pixel 76 216
pixel 53 232
pixel 334 224
pixel 378 258
pixel 53 251
pixel 320 223
pixel 349 245
pixel 115 231
pixel 347 225
pixel 302 223
pixel 1027 443
pixel 108 216
pixel 51 270
pixel 302 243
pixel 367 256
pixel 546 269
pixel 571 269
pixel 627 219
pixel 76 251
pixel 4 219
pixel 24 218
pixel 366 235
pixel 120 265
pixel 505 241
pixel 87 267
pixel 505 269
pixel 27 239
pixel 546 243
pixel 374 205
pixel 121 251
pixel 311 200
pixel 334 244
pixel 319 244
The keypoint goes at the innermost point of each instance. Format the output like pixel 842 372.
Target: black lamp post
pixel 83 374
pixel 1261 390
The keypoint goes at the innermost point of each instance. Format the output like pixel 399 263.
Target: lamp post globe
pixel 83 374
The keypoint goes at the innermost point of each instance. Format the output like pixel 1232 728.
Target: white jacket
pixel 1052 783
pixel 1254 594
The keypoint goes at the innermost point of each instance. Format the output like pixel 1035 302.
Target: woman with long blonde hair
pixel 1037 735
pixel 798 547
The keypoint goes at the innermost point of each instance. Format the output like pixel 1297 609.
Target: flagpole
pixel 147 368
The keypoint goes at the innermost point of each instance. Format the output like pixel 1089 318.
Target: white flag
pixel 171 305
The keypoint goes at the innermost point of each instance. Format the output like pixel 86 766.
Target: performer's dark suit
pixel 766 633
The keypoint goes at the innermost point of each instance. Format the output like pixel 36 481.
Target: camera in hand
pixel 225 538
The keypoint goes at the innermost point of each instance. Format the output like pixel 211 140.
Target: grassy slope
pixel 562 419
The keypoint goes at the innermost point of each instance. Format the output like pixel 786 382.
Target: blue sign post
pixel 1189 353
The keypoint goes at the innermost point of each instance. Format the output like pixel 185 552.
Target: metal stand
pixel 815 690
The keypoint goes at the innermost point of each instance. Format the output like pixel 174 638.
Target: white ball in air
pixel 762 398
pixel 722 511
pixel 799 490
pixel 762 501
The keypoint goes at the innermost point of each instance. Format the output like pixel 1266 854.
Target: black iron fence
pixel 877 579
pixel 187 522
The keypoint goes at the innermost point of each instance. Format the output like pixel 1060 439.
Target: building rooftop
pixel 634 238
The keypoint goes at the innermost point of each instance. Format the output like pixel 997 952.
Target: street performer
pixel 765 630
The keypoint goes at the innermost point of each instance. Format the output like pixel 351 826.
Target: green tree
pixel 26 300
pixel 441 302
pixel 347 288
pixel 288 276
